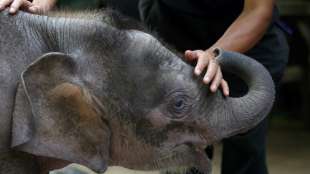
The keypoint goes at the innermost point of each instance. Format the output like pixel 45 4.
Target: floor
pixel 288 148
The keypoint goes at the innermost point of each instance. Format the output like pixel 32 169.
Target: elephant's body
pixel 20 45
pixel 12 65
pixel 94 91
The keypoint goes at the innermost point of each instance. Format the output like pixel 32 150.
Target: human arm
pixel 241 36
pixel 36 6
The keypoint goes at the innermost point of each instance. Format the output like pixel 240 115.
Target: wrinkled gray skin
pixel 94 92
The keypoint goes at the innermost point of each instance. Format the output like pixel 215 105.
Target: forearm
pixel 247 29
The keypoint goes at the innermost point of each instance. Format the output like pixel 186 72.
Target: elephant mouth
pixel 182 157
pixel 200 159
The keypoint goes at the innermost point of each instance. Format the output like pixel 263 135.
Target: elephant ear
pixel 66 121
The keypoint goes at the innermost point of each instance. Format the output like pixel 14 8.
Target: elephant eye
pixel 178 106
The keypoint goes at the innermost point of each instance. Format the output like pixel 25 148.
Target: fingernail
pixel 213 88
pixel 12 10
pixel 206 80
pixel 197 72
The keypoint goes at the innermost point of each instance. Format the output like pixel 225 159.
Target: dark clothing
pixel 126 7
pixel 186 25
pixel 176 26
pixel 207 8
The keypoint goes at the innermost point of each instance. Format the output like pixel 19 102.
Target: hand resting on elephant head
pixel 103 94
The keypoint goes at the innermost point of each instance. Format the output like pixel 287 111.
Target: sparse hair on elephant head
pixel 104 95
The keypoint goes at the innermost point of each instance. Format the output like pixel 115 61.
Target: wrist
pixel 210 53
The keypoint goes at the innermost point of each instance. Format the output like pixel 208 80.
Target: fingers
pixel 4 3
pixel 202 62
pixel 190 55
pixel 216 80
pixel 225 87
pixel 24 4
pixel 16 4
pixel 28 6
pixel 211 71
pixel 213 75
pixel 33 9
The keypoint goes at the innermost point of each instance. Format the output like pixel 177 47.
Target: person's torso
pixel 207 8
pixel 198 24
pixel 190 24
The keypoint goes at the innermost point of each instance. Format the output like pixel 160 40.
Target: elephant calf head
pixel 127 100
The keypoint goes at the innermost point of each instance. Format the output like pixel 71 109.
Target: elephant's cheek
pixel 157 118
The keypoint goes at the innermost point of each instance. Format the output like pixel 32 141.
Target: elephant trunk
pixel 246 111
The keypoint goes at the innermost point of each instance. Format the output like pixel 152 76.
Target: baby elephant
pixel 93 90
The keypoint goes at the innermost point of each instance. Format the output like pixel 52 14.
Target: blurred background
pixel 289 128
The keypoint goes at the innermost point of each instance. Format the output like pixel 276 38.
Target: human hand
pixel 213 76
pixel 36 6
